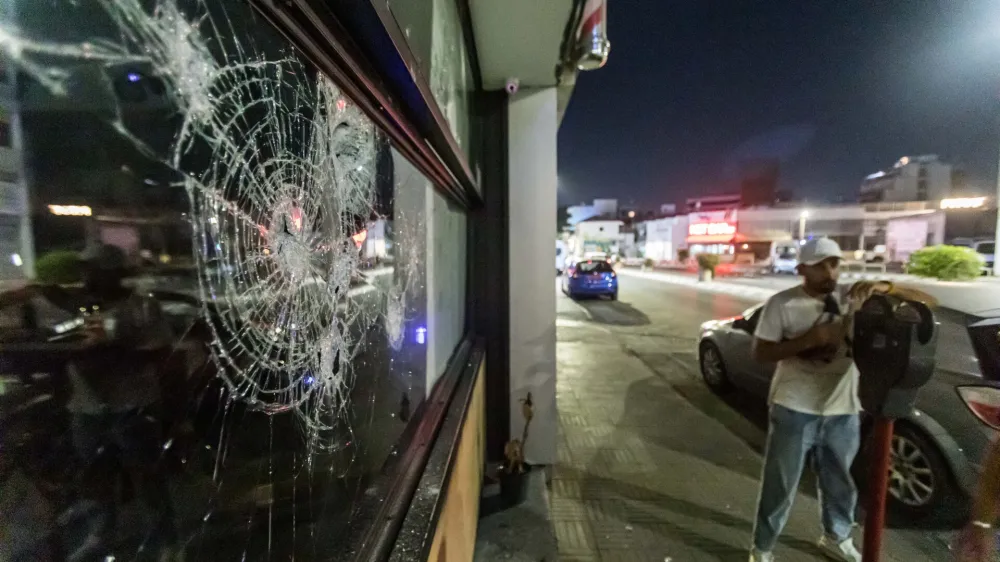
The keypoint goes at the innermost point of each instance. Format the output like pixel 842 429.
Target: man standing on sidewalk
pixel 813 399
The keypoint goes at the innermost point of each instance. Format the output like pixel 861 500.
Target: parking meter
pixel 894 345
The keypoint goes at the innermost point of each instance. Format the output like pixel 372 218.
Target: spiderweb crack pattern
pixel 274 207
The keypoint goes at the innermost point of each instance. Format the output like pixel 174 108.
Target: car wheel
pixel 613 296
pixel 713 368
pixel 921 486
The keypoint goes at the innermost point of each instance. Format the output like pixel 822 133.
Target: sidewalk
pixel 648 472
pixel 970 297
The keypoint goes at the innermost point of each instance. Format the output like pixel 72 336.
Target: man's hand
pixel 863 290
pixel 821 342
pixel 826 335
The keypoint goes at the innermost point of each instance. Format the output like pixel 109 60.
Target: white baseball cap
pixel 819 249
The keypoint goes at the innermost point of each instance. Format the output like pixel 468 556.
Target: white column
pixel 533 127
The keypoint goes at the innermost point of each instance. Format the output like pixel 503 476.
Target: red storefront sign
pixel 717 227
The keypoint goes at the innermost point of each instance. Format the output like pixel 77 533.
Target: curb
pixel 755 294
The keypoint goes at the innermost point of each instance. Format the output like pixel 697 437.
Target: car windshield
pixel 594 267
pixel 988 248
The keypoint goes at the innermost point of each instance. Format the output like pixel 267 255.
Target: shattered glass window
pixel 214 328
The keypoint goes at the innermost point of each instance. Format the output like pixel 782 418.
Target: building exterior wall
pixel 533 130
pixel 664 237
pixel 17 253
pixel 597 236
pixel 606 207
pixel 854 227
pixel 921 178
pixel 599 231
pixel 906 235
pixel 712 203
pixel 599 208
pixel 578 213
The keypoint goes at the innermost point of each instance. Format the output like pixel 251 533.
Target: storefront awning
pixel 711 239
pixel 764 236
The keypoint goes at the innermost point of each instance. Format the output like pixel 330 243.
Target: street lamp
pixel 802 224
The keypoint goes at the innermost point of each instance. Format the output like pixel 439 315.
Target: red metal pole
pixel 878 486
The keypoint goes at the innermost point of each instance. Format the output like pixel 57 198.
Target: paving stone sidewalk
pixel 645 475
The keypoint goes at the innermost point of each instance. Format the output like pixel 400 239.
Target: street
pixel 652 465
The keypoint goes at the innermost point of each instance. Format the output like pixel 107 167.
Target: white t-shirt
pixel 819 387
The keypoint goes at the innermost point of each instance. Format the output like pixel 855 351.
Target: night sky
pixel 837 89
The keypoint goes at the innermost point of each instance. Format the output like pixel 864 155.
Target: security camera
pixel 513 84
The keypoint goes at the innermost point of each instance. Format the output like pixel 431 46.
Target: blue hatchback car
pixel 593 278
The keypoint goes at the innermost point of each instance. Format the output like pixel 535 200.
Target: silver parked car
pixel 936 451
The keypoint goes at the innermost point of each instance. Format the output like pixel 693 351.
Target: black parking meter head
pixel 985 336
pixel 894 346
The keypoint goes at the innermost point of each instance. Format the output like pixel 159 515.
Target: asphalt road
pixel 658 323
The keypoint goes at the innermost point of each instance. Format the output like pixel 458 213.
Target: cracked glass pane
pixel 214 318
pixel 433 31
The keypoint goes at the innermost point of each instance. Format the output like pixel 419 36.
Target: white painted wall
pixel 664 237
pixel 903 237
pixel 906 235
pixel 533 127
pixel 597 230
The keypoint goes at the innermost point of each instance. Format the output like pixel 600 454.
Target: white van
pixel 784 257
pixel 985 247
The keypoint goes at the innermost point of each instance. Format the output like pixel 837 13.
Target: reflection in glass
pixel 434 34
pixel 257 215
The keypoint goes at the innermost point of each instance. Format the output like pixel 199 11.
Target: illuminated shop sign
pixel 963 203
pixel 712 229
pixel 71 210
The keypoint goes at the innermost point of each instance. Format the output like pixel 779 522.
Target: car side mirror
pixel 742 323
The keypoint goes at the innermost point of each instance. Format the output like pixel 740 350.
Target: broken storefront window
pixel 284 242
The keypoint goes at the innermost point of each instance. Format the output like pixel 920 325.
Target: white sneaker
pixel 758 556
pixel 843 551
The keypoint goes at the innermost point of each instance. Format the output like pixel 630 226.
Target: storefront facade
pixel 750 235
pixel 712 232
pixel 662 239
pixel 323 207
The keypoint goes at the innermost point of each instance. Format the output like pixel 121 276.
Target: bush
pixel 683 255
pixel 60 267
pixel 948 263
pixel 649 263
pixel 708 262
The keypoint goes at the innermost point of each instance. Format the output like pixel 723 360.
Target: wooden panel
pixel 455 536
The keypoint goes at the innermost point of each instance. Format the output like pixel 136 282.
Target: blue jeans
pixel 833 442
